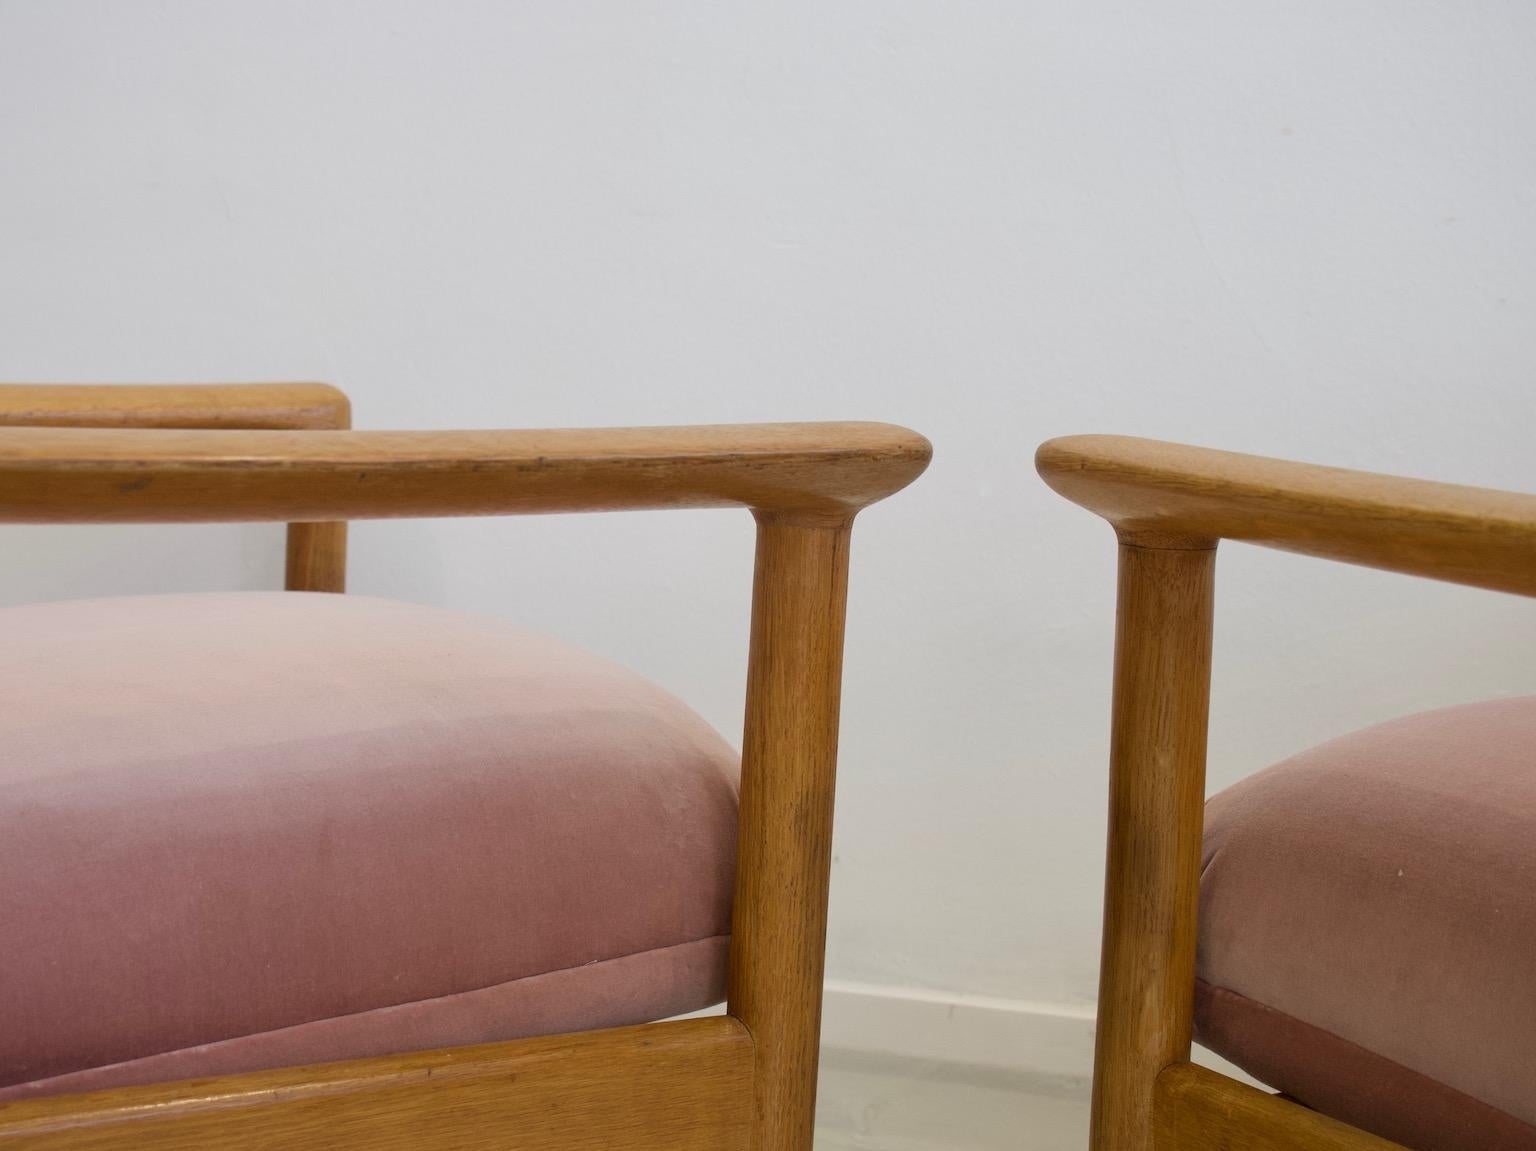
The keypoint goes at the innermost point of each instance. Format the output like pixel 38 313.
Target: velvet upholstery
pixel 256 830
pixel 1368 928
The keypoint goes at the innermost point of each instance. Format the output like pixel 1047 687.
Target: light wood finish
pixel 1156 793
pixel 1169 504
pixel 91 476
pixel 683 1086
pixel 317 557
pixel 745 1081
pixel 789 758
pixel 1443 531
pixel 317 553
pixel 1201 1110
pixel 291 407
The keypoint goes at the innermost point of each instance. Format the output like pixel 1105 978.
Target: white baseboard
pixel 911 1070
pixel 1010 1036
pixel 904 1069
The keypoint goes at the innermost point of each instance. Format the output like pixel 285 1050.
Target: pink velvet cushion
pixel 1368 928
pixel 253 830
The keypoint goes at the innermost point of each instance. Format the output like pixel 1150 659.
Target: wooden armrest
pixel 76 475
pixel 1175 495
pixel 280 406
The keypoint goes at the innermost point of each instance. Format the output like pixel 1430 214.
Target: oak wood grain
pixel 1156 808
pixel 789 758
pixel 1201 1110
pixel 745 1080
pixel 229 406
pixel 1442 531
pixel 52 475
pixel 1169 505
pixel 684 1086
pixel 316 557
pixel 316 553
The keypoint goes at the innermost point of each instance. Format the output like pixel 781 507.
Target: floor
pixel 868 1103
pixel 880 1103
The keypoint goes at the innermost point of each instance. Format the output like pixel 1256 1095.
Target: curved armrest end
pixel 1147 488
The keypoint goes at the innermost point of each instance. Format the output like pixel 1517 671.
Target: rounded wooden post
pixel 317 557
pixel 1156 811
pixel 317 552
pixel 789 755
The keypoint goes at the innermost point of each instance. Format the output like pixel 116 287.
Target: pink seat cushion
pixel 256 830
pixel 1368 928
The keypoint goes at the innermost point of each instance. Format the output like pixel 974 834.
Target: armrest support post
pixel 789 755
pixel 317 557
pixel 1156 809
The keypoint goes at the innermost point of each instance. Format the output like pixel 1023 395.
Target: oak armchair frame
pixel 744 1081
pixel 1169 505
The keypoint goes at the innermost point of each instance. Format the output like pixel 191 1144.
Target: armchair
pixel 745 1079
pixel 1355 926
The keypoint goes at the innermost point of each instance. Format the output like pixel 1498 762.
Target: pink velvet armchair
pixel 295 869
pixel 1356 926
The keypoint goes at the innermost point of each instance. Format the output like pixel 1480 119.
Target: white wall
pixel 1304 229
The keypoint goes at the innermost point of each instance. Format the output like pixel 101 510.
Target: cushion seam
pixel 450 994
pixel 386 1006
